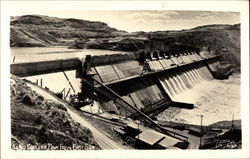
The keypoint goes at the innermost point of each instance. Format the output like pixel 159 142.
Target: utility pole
pixel 232 121
pixel 138 123
pixel 41 82
pixel 201 129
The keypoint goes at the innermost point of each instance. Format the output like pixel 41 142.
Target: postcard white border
pixel 7 7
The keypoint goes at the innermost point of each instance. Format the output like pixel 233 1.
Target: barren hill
pixel 216 37
pixel 222 39
pixel 37 30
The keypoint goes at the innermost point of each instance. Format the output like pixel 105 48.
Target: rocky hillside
pixel 37 30
pixel 34 30
pixel 220 38
pixel 40 124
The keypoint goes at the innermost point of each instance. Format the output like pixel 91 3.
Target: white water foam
pixel 217 100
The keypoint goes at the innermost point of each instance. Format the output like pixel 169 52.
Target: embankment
pixel 37 123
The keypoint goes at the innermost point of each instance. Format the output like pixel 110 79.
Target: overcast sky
pixel 147 20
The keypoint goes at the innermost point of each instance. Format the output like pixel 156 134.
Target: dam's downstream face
pixel 216 100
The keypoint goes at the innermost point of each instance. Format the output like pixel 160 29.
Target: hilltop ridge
pixel 45 31
pixel 37 30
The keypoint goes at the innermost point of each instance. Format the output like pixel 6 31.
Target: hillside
pixel 44 31
pixel 216 37
pixel 37 123
pixel 221 39
pixel 37 30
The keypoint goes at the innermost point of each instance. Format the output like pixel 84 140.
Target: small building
pixel 141 137
pixel 150 139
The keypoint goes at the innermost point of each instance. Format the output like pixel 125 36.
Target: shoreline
pixel 223 124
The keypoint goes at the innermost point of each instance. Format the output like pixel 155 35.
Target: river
pixel 216 100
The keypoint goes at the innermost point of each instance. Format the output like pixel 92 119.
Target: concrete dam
pixel 149 83
pixel 136 86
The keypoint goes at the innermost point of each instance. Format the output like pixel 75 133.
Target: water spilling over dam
pixel 178 83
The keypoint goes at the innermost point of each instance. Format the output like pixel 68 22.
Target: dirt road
pixel 103 141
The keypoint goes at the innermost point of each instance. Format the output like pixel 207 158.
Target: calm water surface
pixel 55 81
pixel 32 54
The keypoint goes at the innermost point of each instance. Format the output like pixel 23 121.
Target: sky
pixel 146 20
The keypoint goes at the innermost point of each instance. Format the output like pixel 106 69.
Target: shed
pixel 169 142
pixel 150 136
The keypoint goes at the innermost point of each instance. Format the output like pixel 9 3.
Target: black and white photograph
pixel 95 79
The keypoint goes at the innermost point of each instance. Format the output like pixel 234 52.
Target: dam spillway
pixel 148 82
pixel 136 85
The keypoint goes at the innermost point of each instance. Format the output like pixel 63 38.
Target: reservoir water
pixel 55 81
pixel 217 100
pixel 29 54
